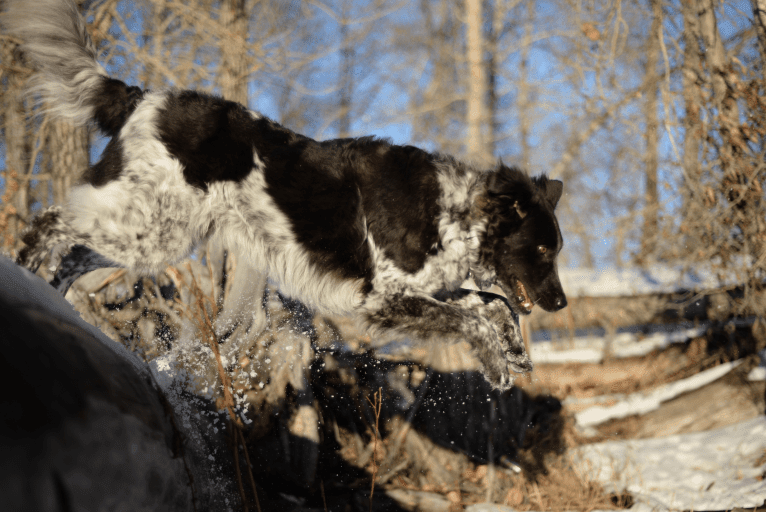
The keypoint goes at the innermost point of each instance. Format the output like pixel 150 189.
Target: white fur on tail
pixel 54 39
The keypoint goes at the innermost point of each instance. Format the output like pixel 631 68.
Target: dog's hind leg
pixel 78 262
pixel 487 325
pixel 46 231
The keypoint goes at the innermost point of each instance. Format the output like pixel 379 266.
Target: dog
pixel 356 226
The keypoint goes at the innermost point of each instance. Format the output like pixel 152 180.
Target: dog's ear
pixel 553 191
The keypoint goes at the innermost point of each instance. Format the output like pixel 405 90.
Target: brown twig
pixel 249 470
pixel 324 500
pixel 114 276
pixel 402 434
pixel 238 472
pixel 376 406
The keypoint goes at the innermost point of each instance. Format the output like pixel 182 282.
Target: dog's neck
pixel 484 276
pixel 469 196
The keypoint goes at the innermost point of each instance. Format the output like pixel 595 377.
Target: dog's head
pixel 523 238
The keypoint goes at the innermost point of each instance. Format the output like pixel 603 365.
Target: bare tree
pixel 477 90
pixel 759 20
pixel 68 149
pixel 523 100
pixel 692 91
pixel 17 148
pixel 651 160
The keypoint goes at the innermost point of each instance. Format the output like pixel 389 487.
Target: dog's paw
pixel 498 376
pixel 505 356
pixel 511 340
pixel 519 362
pixel 501 369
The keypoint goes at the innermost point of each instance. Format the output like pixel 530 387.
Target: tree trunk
pixel 68 157
pixel 16 145
pixel 523 100
pixel 346 78
pixel 692 92
pixel 476 117
pixel 233 69
pixel 651 136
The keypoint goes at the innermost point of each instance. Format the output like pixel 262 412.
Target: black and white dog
pixel 349 226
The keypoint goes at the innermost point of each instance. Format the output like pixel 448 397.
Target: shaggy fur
pixel 350 226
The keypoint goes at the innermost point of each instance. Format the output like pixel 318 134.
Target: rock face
pixel 84 426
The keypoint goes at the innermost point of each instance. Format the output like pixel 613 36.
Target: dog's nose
pixel 561 303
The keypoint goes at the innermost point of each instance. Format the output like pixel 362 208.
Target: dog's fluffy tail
pixel 69 82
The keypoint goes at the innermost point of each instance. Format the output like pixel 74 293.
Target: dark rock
pixel 84 425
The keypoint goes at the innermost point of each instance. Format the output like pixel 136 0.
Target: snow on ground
pixel 613 282
pixel 641 403
pixel 714 470
pixel 759 372
pixel 591 349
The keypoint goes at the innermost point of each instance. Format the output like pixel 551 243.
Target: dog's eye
pixel 542 249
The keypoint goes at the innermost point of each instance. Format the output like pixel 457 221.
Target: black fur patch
pixel 400 191
pixel 318 192
pixel 328 189
pixel 114 103
pixel 213 138
pixel 108 168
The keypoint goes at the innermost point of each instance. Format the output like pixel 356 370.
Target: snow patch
pixel 641 403
pixel 714 470
pixel 625 282
pixel 591 349
pixel 759 372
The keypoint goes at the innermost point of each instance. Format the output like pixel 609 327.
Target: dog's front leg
pixel 497 310
pixel 492 333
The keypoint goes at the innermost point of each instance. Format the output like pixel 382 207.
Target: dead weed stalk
pixel 376 404
pixel 198 313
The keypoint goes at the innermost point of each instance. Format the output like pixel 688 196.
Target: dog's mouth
pixel 520 297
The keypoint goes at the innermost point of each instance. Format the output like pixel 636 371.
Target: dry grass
pixel 563 487
pixel 376 404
